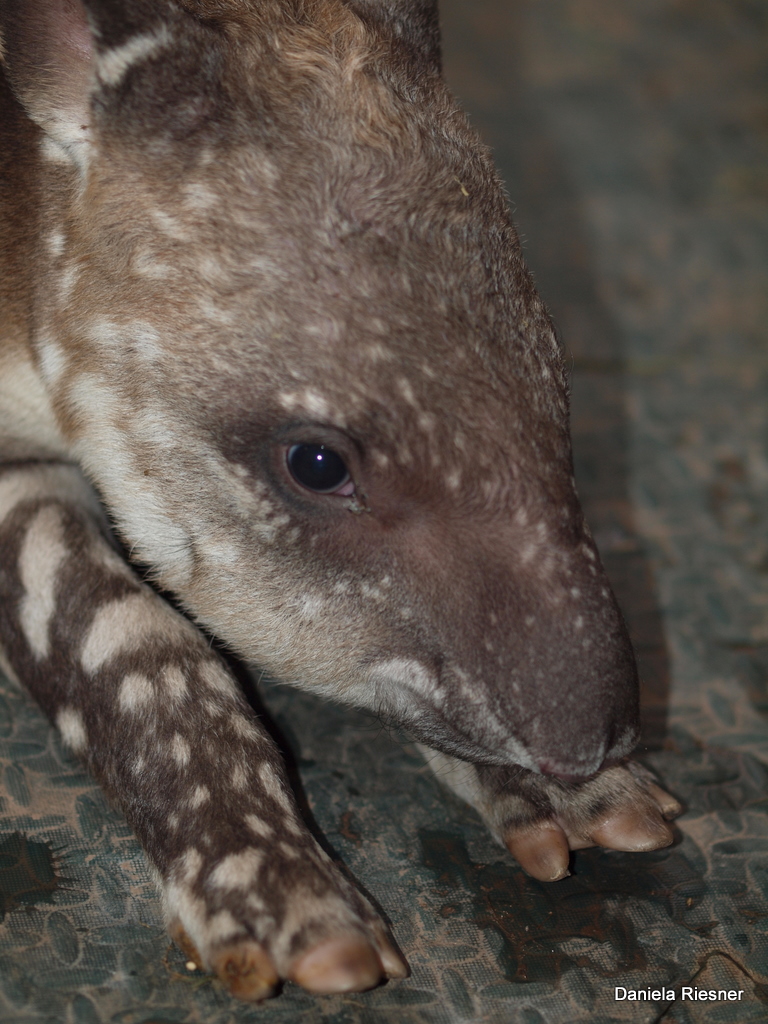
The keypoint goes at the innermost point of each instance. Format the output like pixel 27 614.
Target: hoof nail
pixel 541 851
pixel 668 806
pixel 634 833
pixel 247 971
pixel 393 964
pixel 338 965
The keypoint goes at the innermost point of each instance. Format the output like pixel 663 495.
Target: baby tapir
pixel 261 294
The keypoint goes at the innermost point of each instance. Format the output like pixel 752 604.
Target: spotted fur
pixel 232 227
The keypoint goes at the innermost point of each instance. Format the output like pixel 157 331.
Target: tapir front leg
pixel 138 694
pixel 541 819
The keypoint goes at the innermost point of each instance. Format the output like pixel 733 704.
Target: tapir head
pixel 288 332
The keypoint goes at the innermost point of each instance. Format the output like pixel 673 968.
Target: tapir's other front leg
pixel 541 819
pixel 139 695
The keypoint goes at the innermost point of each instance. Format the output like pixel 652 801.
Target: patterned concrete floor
pixel 634 141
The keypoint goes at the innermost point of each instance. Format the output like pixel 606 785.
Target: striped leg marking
pixel 138 694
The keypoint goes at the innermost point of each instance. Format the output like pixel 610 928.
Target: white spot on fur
pixel 42 555
pixel 223 927
pixel 72 728
pixel 126 624
pixel 188 867
pixel 310 607
pixel 406 390
pixel 175 683
pixel 136 691
pixel 239 777
pixel 243 727
pixel 53 360
pixel 238 870
pixel 578 622
pixel 255 903
pixel 180 750
pixel 54 152
pixel 145 342
pixel 259 827
pixel 199 197
pixel 309 400
pixel 527 553
pixel 200 795
pixel 56 241
pixel 113 64
pixel 216 676
pixel 169 225
pixel 274 789
pixel 67 281
pixel 212 708
pixel 378 353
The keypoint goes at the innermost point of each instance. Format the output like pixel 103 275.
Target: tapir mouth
pixel 549 768
pixel 552 769
pixel 419 705
pixel 610 754
pixel 410 695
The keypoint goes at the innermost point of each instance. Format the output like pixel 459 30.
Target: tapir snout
pixel 523 656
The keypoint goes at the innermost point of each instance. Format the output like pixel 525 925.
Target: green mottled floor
pixel 634 140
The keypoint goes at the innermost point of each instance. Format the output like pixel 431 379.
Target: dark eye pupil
pixel 316 467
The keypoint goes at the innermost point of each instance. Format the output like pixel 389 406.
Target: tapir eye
pixel 318 468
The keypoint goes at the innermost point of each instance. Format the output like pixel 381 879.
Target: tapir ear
pixel 413 21
pixel 47 52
